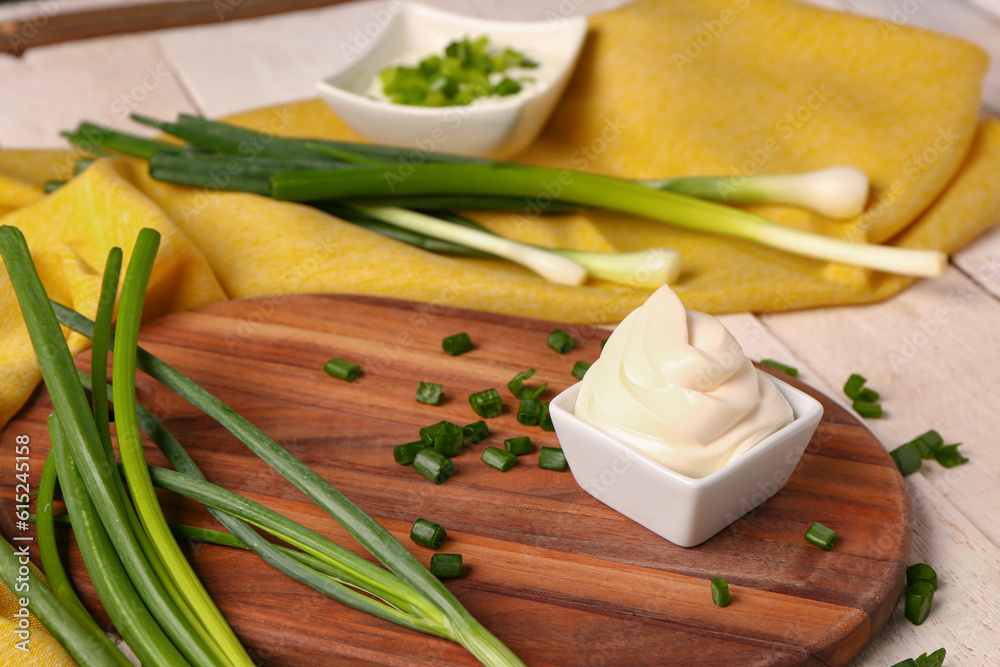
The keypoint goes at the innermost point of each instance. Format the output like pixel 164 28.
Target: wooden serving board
pixel 559 577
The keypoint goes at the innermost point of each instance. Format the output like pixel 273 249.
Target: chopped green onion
pixel 517 388
pixel 427 533
pixel 866 409
pixel 720 592
pixel 853 386
pixel 445 437
pixel 928 443
pixel 921 572
pixel 405 453
pixel 343 369
pixel 498 458
pixel 430 393
pixel 552 458
pixel 821 536
pixel 777 365
pixel 580 369
pixel 560 341
pixel 949 457
pixel 457 344
pixel 486 403
pixel 529 412
pixel 909 662
pixel 432 465
pixel 476 431
pixel 545 423
pixel 867 395
pixel 446 566
pixel 518 446
pixel 919 599
pixel 907 458
pixel 935 659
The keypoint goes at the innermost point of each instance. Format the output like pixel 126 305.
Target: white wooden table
pixel 945 331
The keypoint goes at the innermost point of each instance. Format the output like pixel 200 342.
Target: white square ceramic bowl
pixel 683 510
pixel 496 128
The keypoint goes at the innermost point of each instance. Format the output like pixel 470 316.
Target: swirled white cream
pixel 674 384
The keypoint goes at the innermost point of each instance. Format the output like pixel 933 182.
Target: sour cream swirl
pixel 675 385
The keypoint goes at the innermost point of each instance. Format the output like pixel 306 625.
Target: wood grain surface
pixel 559 577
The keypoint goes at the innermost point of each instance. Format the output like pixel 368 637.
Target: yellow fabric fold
pixel 662 88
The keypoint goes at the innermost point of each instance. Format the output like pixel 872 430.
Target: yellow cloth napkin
pixel 663 88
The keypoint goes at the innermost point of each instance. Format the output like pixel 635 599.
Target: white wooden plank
pixel 981 261
pixel 966 613
pixel 932 350
pixel 53 88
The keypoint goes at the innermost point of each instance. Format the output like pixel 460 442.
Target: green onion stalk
pixel 600 192
pixel 459 625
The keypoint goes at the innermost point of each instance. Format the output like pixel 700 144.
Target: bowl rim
pixel 572 24
pixel 805 408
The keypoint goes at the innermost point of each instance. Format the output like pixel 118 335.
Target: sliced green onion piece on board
pixel 518 446
pixel 446 566
pixel 457 344
pixel 517 388
pixel 445 437
pixel 720 592
pixel 821 536
pixel 919 599
pixel 498 458
pixel 529 412
pixel 907 458
pixel 949 457
pixel 430 393
pixel 427 533
pixel 580 369
pixel 486 403
pixel 405 453
pixel 552 458
pixel 868 395
pixel 476 431
pixel 560 341
pixel 435 467
pixel 343 369
pixel 921 572
pixel 545 423
pixel 777 365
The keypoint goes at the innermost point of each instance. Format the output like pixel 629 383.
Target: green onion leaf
pixel 919 599
pixel 921 572
pixel 853 386
pixel 405 453
pixel 949 457
pixel 498 458
pixel 529 412
pixel 457 344
pixel 486 403
pixel 821 536
pixel 445 437
pixel 518 446
pixel 432 465
pixel 560 341
pixel 777 365
pixel 720 592
pixel 430 393
pixel 427 533
pixel 928 443
pixel 446 566
pixel 476 431
pixel 545 423
pixel 552 458
pixel 343 369
pixel 866 409
pixel 580 369
pixel 517 388
pixel 907 458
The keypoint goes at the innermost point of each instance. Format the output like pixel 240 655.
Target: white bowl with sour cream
pixel 676 429
pixel 495 127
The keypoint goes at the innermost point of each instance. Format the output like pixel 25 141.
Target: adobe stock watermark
pixel 784 129
pixel 901 14
pixel 29 27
